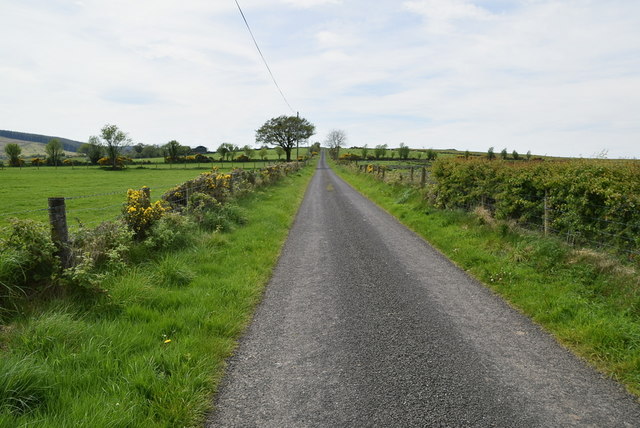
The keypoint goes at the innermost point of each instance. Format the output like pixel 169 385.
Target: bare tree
pixel 336 139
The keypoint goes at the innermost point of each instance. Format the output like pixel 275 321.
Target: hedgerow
pixel 590 200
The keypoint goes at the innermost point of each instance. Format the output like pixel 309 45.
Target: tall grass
pixel 150 350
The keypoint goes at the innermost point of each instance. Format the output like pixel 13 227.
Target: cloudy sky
pixel 557 77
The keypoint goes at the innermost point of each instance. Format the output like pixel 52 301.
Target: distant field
pixel 24 190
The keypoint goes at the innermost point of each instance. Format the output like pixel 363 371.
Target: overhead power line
pixel 262 56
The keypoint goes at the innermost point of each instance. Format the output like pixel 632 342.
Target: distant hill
pixel 27 140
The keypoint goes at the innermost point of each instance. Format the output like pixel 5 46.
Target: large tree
pixel 113 139
pixel 172 151
pixel 13 151
pixel 336 139
pixel 54 151
pixel 286 132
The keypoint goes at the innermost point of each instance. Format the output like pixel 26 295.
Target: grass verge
pixel 589 301
pixel 151 351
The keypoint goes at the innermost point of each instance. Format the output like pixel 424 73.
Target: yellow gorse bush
pixel 139 213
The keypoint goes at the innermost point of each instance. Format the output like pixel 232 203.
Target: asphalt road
pixel 365 324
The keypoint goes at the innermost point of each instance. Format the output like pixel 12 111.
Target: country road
pixel 365 324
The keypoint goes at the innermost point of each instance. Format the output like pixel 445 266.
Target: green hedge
pixel 592 201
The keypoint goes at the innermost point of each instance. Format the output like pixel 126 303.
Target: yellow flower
pixel 167 341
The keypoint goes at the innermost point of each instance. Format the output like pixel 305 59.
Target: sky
pixel 554 77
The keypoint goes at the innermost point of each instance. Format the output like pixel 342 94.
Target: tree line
pixel 107 148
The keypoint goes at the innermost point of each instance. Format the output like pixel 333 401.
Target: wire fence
pixel 86 210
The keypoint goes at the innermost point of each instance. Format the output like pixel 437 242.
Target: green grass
pixel 588 300
pixel 27 189
pixel 149 351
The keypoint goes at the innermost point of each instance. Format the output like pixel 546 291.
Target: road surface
pixel 365 324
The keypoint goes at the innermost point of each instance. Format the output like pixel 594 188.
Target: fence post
pixel 383 169
pixel 423 179
pixel 411 175
pixel 59 230
pixel 546 213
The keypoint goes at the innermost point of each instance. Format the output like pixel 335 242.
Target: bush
pixel 27 259
pixel 213 215
pixel 98 251
pixel 140 214
pixel 28 252
pixel 349 157
pixel 171 232
pixel 211 183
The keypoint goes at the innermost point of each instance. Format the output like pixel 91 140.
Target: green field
pixel 98 193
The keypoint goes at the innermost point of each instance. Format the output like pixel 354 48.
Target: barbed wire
pixel 74 210
pixel 23 212
pixel 69 198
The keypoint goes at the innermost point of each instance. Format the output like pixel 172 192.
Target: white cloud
pixel 310 3
pixel 442 14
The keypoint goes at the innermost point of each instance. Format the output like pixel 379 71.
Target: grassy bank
pixel 150 350
pixel 589 301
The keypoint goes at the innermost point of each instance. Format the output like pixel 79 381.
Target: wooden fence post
pixel 423 179
pixel 59 230
pixel 546 214
pixel 411 175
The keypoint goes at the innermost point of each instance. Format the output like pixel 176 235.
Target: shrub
pixel 210 183
pixel 27 258
pixel 213 215
pixel 140 214
pixel 349 157
pixel 121 161
pixel 30 250
pixel 97 251
pixel 172 231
